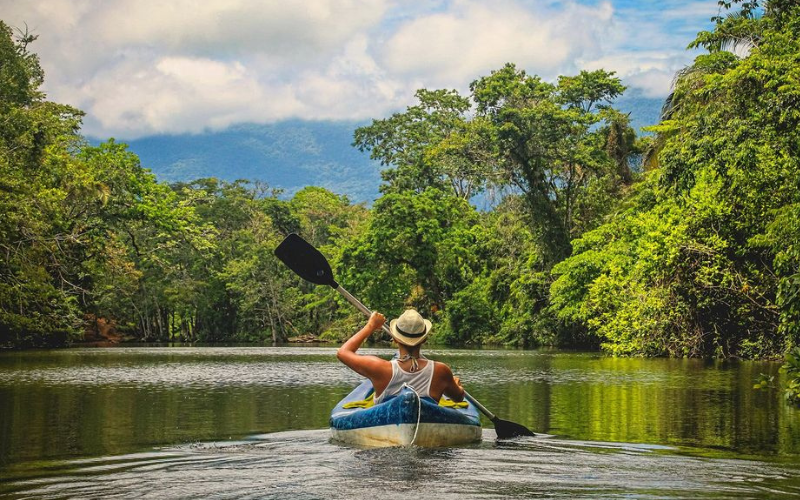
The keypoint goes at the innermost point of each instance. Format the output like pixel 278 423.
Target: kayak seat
pixel 364 403
pixel 369 402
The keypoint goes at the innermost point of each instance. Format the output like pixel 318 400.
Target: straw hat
pixel 410 328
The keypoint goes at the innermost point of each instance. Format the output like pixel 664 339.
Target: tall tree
pixel 416 250
pixel 548 143
pixel 409 143
pixel 37 300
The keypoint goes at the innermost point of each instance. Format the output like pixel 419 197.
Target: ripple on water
pixel 304 464
pixel 188 374
pixel 284 366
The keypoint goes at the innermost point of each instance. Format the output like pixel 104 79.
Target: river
pixel 251 422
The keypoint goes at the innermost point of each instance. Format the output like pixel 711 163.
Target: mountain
pixel 293 154
pixel 287 155
pixel 644 111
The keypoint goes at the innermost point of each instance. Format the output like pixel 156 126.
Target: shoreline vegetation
pixel 684 242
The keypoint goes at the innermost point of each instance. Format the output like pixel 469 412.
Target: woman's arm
pixel 371 367
pixel 451 384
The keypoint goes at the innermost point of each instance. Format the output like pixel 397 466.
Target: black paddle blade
pixel 508 430
pixel 306 261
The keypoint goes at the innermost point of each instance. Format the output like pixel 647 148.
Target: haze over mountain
pixel 287 155
pixel 295 153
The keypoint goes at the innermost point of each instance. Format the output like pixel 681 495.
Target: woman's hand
pixel 450 383
pixel 458 383
pixel 376 321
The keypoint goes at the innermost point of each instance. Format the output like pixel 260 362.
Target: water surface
pixel 252 422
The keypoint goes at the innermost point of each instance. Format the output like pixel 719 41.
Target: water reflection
pixel 102 402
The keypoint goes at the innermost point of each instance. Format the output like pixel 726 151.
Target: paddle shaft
pixel 361 307
pixel 479 406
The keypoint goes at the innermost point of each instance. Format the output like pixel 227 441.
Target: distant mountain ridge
pixel 644 111
pixel 287 155
pixel 292 154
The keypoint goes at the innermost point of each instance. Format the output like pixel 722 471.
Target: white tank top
pixel 420 381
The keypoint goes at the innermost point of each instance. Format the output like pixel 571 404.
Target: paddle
pixel 308 263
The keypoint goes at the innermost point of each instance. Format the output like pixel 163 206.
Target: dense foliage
pixel 703 258
pixel 89 240
pixel 559 155
pixel 685 243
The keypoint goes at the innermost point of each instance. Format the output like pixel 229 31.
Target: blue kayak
pixel 403 420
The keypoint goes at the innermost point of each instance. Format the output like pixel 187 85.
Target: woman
pixel 426 377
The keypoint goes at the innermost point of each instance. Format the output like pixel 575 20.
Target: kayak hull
pixel 427 435
pixel 403 420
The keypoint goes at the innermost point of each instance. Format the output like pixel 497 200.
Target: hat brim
pixel 406 340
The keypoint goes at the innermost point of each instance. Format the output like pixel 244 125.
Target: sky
pixel 148 67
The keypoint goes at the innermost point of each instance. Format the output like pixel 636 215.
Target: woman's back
pixel 419 380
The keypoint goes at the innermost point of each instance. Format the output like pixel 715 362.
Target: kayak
pixel 403 420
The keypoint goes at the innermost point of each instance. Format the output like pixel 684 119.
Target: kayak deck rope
pixel 419 414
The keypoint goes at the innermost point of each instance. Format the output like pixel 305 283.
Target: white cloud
pixel 140 67
pixel 148 66
pixel 649 71
pixel 649 42
pixel 472 38
pixel 656 83
pixel 283 29
pixel 177 95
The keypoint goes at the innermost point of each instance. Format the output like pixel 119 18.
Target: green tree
pixel 506 302
pixel 415 251
pixel 38 303
pixel 549 146
pixel 407 143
